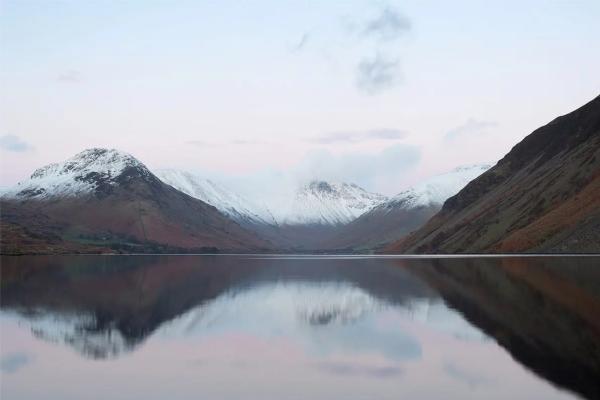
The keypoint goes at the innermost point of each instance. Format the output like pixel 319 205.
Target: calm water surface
pixel 243 327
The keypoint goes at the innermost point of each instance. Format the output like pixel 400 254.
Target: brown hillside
pixel 543 196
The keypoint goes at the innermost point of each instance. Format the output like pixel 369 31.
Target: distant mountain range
pixel 542 196
pixel 104 197
pixel 315 203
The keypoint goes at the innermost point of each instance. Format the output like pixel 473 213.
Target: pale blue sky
pixel 302 88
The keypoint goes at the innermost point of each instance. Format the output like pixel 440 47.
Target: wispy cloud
pixel 374 171
pixel 12 362
pixel 71 76
pixel 301 44
pixel 377 74
pixel 359 136
pixel 199 143
pixel 350 369
pixel 470 128
pixel 471 378
pixel 14 143
pixel 387 26
pixel 238 142
pixel 377 65
pixel 246 142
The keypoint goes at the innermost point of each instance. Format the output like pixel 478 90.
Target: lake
pixel 299 327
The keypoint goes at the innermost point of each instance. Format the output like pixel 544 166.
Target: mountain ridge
pixel 543 196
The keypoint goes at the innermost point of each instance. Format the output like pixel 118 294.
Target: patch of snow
pixel 326 203
pixel 217 195
pixel 436 190
pixel 75 176
pixel 317 202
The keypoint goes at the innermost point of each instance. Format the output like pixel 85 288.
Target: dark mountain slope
pixel 543 196
pixel 380 226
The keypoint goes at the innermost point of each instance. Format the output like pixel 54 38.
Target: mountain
pixel 315 203
pixel 404 212
pixel 314 213
pixel 106 200
pixel 327 203
pixel 299 220
pixel 543 196
pixel 225 200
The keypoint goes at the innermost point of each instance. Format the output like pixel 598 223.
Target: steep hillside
pixel 107 200
pixel 543 196
pixel 225 200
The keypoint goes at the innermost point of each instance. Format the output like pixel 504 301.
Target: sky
pixel 378 93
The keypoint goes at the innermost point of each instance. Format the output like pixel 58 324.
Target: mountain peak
pixel 83 173
pixel 435 190
pixel 109 161
pixel 320 186
pixel 329 203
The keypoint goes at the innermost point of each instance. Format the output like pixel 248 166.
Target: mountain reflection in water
pixel 424 328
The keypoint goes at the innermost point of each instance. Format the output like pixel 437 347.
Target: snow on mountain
pixel 98 169
pixel 325 203
pixel 317 202
pixel 217 195
pixel 436 190
pixel 81 174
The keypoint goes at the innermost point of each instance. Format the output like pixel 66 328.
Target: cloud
pixel 350 369
pixel 469 129
pixel 246 142
pixel 14 143
pixel 387 171
pixel 472 379
pixel 11 363
pixel 301 44
pixel 359 136
pixel 377 66
pixel 71 76
pixel 387 26
pixel 240 142
pixel 377 74
pixel 384 171
pixel 199 143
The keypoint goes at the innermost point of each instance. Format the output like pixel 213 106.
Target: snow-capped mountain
pixel 86 172
pixel 315 215
pixel 217 195
pixel 435 190
pixel 315 203
pixel 325 203
pixel 404 212
pixel 102 200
